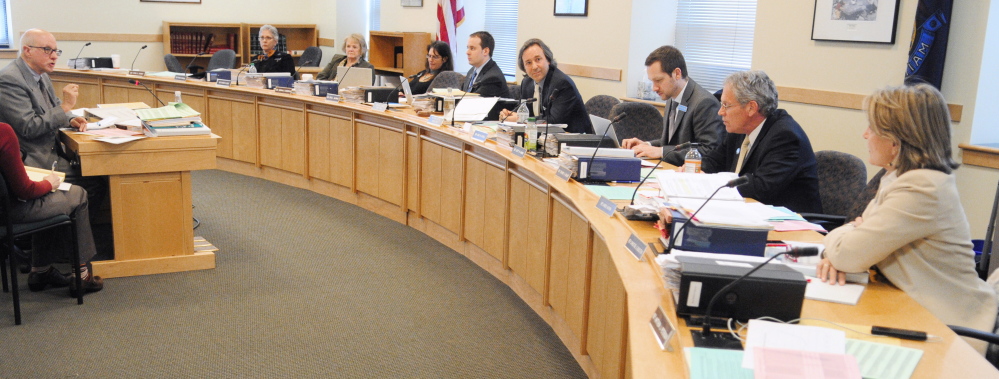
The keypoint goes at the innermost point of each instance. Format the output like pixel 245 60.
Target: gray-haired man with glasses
pixel 30 104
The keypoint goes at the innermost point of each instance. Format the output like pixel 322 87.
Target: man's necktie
pixel 45 93
pixel 743 151
pixel 537 100
pixel 471 82
pixel 672 121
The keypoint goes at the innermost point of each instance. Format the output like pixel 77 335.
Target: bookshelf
pixel 185 40
pixel 297 38
pixel 383 47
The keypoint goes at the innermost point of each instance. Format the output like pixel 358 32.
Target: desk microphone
pixel 454 112
pixel 544 143
pixel 133 59
pixel 682 146
pixel 138 83
pixel 704 338
pixel 589 167
pixel 78 55
pixel 305 62
pixel 731 183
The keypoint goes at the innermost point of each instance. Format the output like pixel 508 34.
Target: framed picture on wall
pixel 171 1
pixel 571 7
pixel 855 20
pixel 412 3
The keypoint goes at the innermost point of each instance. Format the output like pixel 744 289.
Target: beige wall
pixel 792 59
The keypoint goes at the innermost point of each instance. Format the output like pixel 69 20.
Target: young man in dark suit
pixel 765 145
pixel 485 77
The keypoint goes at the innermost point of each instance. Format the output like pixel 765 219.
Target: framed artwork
pixel 412 3
pixel 571 7
pixel 171 1
pixel 855 20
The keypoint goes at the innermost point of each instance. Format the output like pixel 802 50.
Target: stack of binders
pixel 175 119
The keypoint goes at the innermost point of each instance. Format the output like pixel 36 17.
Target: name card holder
pixel 180 77
pixel 636 246
pixel 379 107
pixel 519 151
pixel 606 205
pixel 480 136
pixel 563 173
pixel 436 120
pixel 662 329
pixel 137 73
pixel 223 83
pixel 287 90
pixel 332 97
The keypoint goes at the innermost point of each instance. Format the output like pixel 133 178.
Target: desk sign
pixel 181 77
pixel 137 73
pixel 223 83
pixel 563 173
pixel 436 120
pixel 332 97
pixel 663 329
pixel 379 107
pixel 520 151
pixel 636 246
pixel 287 90
pixel 480 136
pixel 606 205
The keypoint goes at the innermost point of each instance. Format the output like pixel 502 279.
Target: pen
pixel 905 334
pixel 52 171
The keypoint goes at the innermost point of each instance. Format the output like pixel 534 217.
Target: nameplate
pixel 287 90
pixel 137 73
pixel 180 77
pixel 563 173
pixel 480 136
pixel 681 108
pixel 519 151
pixel 606 205
pixel 332 97
pixel 662 329
pixel 636 246
pixel 379 107
pixel 436 120
pixel 223 83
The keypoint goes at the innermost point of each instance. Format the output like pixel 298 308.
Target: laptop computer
pixel 600 125
pixel 355 76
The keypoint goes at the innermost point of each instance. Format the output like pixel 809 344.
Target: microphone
pixel 455 111
pixel 544 143
pixel 731 183
pixel 133 59
pixel 619 117
pixel 138 83
pixel 523 101
pixel 305 62
pixel 240 72
pixel 682 146
pixel 705 338
pixel 78 54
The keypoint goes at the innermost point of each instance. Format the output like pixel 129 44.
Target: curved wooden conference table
pixel 512 216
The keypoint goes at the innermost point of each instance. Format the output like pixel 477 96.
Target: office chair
pixel 600 105
pixel 222 59
pixel 985 264
pixel 515 91
pixel 447 79
pixel 13 230
pixel 172 64
pixel 842 179
pixel 643 122
pixel 313 54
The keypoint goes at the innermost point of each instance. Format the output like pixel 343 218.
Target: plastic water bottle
pixel 531 135
pixel 692 162
pixel 449 104
pixel 523 113
pixel 253 69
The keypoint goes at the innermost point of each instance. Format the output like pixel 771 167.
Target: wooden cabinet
pixel 297 37
pixel 184 39
pixel 412 47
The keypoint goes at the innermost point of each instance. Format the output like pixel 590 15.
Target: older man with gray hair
pixel 765 145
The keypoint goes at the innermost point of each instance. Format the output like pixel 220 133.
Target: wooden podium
pixel 150 186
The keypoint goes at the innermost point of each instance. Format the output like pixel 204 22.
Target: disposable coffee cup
pixel 116 60
pixel 306 77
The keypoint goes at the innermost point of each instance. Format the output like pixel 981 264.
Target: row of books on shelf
pixel 194 42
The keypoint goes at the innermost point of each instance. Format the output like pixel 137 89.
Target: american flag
pixel 450 14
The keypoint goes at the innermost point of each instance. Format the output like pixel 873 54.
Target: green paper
pixel 612 192
pixel 717 363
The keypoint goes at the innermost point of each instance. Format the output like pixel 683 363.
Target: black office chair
pixel 515 91
pixel 992 351
pixel 991 235
pixel 643 122
pixel 447 79
pixel 172 64
pixel 842 178
pixel 312 55
pixel 601 105
pixel 222 59
pixel 13 230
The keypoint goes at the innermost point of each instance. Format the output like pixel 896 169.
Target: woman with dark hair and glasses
pixel 438 60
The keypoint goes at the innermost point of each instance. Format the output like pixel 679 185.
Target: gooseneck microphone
pixel 705 334
pixel 78 54
pixel 616 119
pixel 454 112
pixel 305 62
pixel 682 146
pixel 191 63
pixel 544 143
pixel 138 83
pixel 133 59
pixel 731 183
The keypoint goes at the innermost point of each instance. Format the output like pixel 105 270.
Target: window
pixel 5 38
pixel 374 15
pixel 716 38
pixel 502 24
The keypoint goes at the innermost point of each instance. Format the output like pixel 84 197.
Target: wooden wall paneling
pixel 245 132
pixel 452 184
pixel 89 92
pixel 149 192
pixel 270 135
pixel 342 154
pixel 319 146
pixel 475 201
pixel 606 340
pixel 430 180
pixel 114 94
pixel 569 268
pixel 293 148
pixel 413 163
pixel 529 217
pixel 220 120
pixel 518 220
pixel 366 161
pixel 495 225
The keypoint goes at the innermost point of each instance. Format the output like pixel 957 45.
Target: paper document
pixel 79 112
pixel 611 192
pixel 111 132
pixel 118 140
pixel 102 124
pixel 172 110
pixel 716 363
pixel 846 294
pixel 726 213
pixel 795 364
pixel 457 93
pixel 878 360
pixel 473 108
pixel 37 175
pixel 793 337
pixel 699 186
pixel 136 105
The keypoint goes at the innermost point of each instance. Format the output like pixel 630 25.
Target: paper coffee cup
pixel 306 77
pixel 116 60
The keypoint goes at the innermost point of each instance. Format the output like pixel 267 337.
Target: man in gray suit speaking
pixel 692 115
pixel 29 103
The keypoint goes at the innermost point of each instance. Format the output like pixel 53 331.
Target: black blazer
pixel 489 83
pixel 699 123
pixel 279 62
pixel 781 165
pixel 561 102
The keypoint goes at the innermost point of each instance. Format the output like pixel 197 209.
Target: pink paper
pixel 770 363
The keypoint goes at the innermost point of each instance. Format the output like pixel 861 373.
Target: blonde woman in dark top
pixel 355 49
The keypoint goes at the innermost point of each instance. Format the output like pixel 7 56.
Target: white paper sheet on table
pixel 794 337
pixel 699 186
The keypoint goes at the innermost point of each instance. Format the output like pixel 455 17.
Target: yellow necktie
pixel 742 154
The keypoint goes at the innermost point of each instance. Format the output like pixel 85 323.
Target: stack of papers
pixel 697 186
pixel 174 119
pixel 726 213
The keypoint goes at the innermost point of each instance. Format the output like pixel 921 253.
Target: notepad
pixel 795 364
pixel 846 294
pixel 715 363
pixel 793 337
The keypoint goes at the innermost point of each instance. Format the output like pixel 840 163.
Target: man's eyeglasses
pixel 726 106
pixel 48 50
